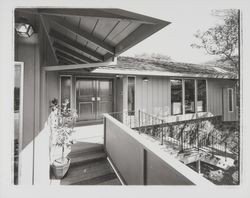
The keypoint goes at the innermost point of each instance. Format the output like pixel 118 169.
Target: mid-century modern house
pixel 72 54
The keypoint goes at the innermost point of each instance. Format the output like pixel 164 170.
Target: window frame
pixel 183 95
pixel 196 84
pixel 71 90
pixel 21 113
pixel 130 76
pixel 195 95
pixel 232 100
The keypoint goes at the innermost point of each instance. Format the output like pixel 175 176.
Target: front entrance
pixel 93 98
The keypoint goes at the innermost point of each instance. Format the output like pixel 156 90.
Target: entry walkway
pixel 89 164
pixel 90 134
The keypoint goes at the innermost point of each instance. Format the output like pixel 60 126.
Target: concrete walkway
pixel 90 134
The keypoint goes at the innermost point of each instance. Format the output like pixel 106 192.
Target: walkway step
pixel 84 158
pixel 84 147
pixel 97 180
pixel 85 172
pixel 111 182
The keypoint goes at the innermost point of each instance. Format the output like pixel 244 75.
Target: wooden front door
pixel 93 98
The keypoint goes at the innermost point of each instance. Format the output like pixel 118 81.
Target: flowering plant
pixel 62 120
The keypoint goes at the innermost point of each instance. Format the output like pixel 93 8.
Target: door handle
pixel 98 98
pixel 93 98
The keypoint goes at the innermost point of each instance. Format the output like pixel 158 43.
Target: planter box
pixel 60 170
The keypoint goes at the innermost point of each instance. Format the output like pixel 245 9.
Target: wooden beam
pixel 93 13
pixel 62 38
pixel 65 60
pixel 85 35
pixel 45 25
pixel 61 62
pixel 64 49
pixel 79 66
pixel 64 55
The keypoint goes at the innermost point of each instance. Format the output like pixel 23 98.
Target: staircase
pixel 89 166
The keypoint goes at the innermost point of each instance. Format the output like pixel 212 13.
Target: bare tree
pixel 222 39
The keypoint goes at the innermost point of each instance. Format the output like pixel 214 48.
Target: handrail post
pixel 225 151
pixel 162 132
pixel 139 120
pixel 212 143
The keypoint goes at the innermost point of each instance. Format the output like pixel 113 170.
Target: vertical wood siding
pixel 216 100
pixel 153 96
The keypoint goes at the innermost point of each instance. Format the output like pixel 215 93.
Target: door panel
pixel 85 94
pixel 93 98
pixel 86 111
pixel 104 98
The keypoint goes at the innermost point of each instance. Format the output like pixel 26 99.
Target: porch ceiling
pixel 80 36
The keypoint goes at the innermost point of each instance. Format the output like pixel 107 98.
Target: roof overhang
pixel 90 36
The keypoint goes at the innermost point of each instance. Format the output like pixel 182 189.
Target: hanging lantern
pixel 24 29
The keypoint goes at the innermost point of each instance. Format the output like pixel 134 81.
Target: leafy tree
pixel 222 39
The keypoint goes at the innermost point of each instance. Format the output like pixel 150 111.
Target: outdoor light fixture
pixel 145 79
pixel 24 29
pixel 118 76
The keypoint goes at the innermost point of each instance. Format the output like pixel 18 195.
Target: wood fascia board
pixel 78 66
pixel 139 34
pixel 28 10
pixel 103 14
pixel 157 73
pixel 65 55
pixel 63 39
pixel 83 34
pixel 72 52
pixel 45 25
pixel 135 16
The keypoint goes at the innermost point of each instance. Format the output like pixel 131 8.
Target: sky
pixel 175 39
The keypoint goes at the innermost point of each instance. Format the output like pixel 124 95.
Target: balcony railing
pixel 186 134
pixel 198 136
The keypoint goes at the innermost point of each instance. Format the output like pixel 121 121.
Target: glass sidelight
pixel 66 84
pixel 131 95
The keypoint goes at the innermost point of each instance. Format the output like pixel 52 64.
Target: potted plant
pixel 62 120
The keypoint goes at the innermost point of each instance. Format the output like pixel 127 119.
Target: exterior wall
pixel 52 88
pixel 154 97
pixel 33 52
pixel 139 162
pixel 29 54
pixel 216 101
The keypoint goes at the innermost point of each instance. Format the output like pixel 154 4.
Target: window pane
pixel 17 120
pixel 230 99
pixel 201 96
pixel 176 97
pixel 65 89
pixel 131 95
pixel 189 96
